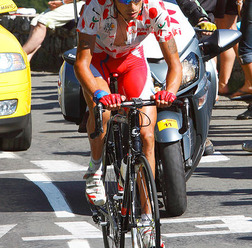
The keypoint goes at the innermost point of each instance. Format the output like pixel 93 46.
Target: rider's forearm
pixel 174 73
pixel 174 78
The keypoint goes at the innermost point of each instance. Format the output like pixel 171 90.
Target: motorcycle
pixel 181 130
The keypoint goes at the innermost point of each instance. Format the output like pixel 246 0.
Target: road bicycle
pixel 132 203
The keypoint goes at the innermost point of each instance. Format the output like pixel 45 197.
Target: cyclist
pixel 110 35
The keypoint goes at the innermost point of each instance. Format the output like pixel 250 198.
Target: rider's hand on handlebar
pixel 164 98
pixel 205 24
pixel 110 101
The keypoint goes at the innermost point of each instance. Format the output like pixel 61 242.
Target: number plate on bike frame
pixel 167 123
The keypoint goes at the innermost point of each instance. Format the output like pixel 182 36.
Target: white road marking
pixel 4 229
pixel 58 165
pixel 201 219
pixel 51 237
pixel 49 166
pixel 78 244
pixel 79 230
pixel 216 157
pixel 8 155
pixel 22 171
pixel 52 193
pixel 232 224
pixel 211 226
pixel 55 166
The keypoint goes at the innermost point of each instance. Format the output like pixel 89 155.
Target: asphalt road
pixel 42 201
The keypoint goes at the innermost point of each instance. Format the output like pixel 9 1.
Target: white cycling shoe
pixel 149 238
pixel 95 191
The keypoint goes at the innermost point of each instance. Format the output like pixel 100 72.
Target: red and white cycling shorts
pixel 134 77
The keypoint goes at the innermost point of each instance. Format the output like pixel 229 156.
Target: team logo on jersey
pixel 160 26
pixel 94 20
pixel 108 27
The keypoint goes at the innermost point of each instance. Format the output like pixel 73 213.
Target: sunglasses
pixel 128 1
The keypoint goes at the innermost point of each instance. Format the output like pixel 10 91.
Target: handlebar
pixel 135 103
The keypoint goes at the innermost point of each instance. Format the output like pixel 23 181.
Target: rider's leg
pixel 96 145
pixel 94 186
pixel 147 134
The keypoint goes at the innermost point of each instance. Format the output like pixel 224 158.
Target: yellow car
pixel 15 90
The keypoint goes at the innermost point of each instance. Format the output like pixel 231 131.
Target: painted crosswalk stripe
pixel 54 196
pixel 216 157
pixel 22 171
pixel 79 230
pixel 80 243
pixel 58 165
pixel 4 229
pixel 231 225
pixel 49 166
pixel 10 155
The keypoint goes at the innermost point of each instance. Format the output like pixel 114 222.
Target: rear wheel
pixel 145 219
pixel 172 178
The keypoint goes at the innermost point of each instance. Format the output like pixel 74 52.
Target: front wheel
pixel 111 231
pixel 145 219
pixel 172 177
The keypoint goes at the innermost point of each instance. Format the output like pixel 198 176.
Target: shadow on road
pixel 225 172
pixel 21 195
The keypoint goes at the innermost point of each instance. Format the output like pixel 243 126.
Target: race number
pixel 167 123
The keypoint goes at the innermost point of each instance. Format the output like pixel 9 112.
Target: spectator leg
pixel 227 58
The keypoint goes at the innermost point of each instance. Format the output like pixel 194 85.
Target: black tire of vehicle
pixel 173 181
pixel 21 142
pixel 144 174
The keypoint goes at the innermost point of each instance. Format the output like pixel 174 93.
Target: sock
pixel 95 165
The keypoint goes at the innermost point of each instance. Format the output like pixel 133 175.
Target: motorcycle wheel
pixel 172 178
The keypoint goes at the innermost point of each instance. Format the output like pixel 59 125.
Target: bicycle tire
pixel 111 231
pixel 143 174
